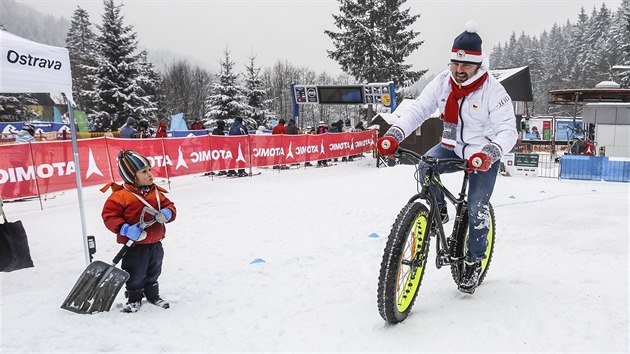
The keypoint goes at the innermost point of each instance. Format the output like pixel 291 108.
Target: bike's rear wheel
pixel 459 247
pixel 403 263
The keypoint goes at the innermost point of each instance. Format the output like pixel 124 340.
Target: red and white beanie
pixel 467 46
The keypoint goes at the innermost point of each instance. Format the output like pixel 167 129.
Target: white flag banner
pixel 31 67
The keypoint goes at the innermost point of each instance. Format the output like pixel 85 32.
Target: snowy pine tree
pixel 555 60
pixel 374 41
pixel 256 95
pixel 496 57
pixel 148 83
pixel 84 51
pixel 227 100
pixel 117 91
pixel 621 30
pixel 398 43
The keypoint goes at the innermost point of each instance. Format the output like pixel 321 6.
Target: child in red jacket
pixel 139 197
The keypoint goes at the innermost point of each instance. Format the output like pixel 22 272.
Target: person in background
pixel 280 128
pixel 26 134
pixel 277 130
pixel 219 130
pixel 121 215
pixel 161 131
pixel 347 127
pixel 479 125
pixel 334 128
pixel 197 125
pixel 238 128
pixel 128 131
pixel 359 127
pixel 322 128
pixel 261 130
pixel 292 129
pixel 143 131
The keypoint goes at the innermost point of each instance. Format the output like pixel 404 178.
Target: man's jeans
pixel 480 186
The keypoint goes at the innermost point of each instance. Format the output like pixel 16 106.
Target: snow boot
pixel 470 276
pixel 152 292
pixel 134 301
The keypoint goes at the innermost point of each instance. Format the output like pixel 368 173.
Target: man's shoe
pixel 470 276
pixel 132 307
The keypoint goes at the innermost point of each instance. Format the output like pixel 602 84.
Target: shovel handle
pixel 122 252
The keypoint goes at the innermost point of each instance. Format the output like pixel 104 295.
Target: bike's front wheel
pixel 403 263
pixel 459 248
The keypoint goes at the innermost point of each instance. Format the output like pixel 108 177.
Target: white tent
pixel 31 67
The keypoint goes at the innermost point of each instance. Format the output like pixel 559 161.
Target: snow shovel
pixel 98 286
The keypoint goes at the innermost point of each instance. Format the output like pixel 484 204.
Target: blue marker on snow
pixel 374 235
pixel 257 260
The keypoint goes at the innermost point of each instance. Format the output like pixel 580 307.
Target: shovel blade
pixel 96 289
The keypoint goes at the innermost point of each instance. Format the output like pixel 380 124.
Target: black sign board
pixel 526 160
pixel 340 94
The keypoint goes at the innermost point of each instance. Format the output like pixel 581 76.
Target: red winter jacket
pixel 122 207
pixel 279 129
pixel 161 131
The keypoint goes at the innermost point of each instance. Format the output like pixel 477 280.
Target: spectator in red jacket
pixel 197 125
pixel 280 128
pixel 161 131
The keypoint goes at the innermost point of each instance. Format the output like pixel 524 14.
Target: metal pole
pixel 77 173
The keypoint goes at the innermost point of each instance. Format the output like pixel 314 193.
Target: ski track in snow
pixel 558 281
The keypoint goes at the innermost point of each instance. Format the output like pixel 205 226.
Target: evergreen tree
pixel 84 51
pixel 510 60
pixel 15 107
pixel 148 83
pixel 117 92
pixel 256 95
pixel 555 60
pixel 374 40
pixel 621 29
pixel 577 50
pixel 537 74
pixel 227 100
pixel 399 42
pixel 496 57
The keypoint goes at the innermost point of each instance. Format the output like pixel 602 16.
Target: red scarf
pixel 451 111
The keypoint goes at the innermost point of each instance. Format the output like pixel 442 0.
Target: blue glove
pixel 133 232
pixel 164 215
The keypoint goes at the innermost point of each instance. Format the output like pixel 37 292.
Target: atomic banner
pixel 38 168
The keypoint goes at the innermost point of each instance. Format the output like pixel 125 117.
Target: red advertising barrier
pixel 38 168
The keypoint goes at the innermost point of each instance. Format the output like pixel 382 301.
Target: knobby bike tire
pixel 403 264
pixel 459 248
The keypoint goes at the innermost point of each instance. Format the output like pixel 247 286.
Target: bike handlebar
pixel 461 164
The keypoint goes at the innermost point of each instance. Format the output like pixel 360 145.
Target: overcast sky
pixel 293 30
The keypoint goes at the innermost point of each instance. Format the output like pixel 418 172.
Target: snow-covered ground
pixel 558 281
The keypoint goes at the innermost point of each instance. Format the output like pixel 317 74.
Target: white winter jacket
pixel 485 115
